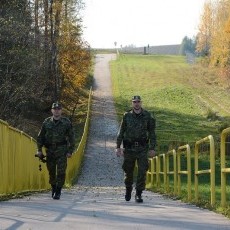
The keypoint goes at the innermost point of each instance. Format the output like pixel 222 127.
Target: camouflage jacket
pixel 56 132
pixel 136 127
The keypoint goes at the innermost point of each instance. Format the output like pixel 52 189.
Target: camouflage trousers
pixel 131 156
pixel 56 165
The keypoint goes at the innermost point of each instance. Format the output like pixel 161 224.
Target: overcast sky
pixel 140 22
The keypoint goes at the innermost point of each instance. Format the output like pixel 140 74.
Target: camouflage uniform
pixel 58 139
pixel 137 131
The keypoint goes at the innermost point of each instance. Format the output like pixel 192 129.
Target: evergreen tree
pixel 188 46
pixel 17 55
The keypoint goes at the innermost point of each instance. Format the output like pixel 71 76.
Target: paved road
pixel 97 200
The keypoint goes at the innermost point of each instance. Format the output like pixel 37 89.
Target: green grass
pixel 172 90
pixel 189 103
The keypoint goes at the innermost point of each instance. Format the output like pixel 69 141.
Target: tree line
pixel 43 57
pixel 213 38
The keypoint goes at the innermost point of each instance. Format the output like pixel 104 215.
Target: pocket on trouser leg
pixel 51 166
pixel 128 165
pixel 61 171
pixel 143 165
pixel 128 175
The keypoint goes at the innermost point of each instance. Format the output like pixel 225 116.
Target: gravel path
pixel 97 200
pixel 101 167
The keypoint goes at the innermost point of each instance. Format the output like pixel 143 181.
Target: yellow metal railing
pixel 152 178
pixel 224 170
pixel 173 172
pixel 18 166
pixel 159 165
pixel 162 169
pixel 184 150
pixel 75 161
pixel 210 171
pixel 19 169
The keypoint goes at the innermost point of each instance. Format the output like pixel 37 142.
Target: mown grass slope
pixel 188 101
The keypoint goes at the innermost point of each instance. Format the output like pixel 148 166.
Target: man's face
pixel 56 112
pixel 136 104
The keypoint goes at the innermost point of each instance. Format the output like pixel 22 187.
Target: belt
pixel 56 144
pixel 135 144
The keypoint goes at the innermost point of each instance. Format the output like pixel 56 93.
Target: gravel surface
pixel 101 166
pixel 97 199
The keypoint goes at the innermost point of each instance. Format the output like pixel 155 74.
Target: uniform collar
pixel 132 111
pixel 52 119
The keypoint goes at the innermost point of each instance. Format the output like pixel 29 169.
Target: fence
pixel 159 166
pixel 18 166
pixel 184 150
pixel 74 162
pixel 224 170
pixel 157 50
pixel 210 171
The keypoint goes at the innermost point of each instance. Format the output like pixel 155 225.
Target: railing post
pixel 196 170
pixel 211 170
pixel 149 174
pixel 157 171
pixel 166 171
pixel 224 170
pixel 212 167
pixel 4 138
pixel 188 171
pixel 174 172
pixel 160 172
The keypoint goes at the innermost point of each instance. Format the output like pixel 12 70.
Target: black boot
pixel 57 193
pixel 128 193
pixel 138 197
pixel 53 189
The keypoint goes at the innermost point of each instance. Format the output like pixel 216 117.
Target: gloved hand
pixel 152 153
pixel 68 155
pixel 119 152
pixel 40 155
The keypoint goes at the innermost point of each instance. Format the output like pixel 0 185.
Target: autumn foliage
pixel 74 62
pixel 213 39
pixel 43 58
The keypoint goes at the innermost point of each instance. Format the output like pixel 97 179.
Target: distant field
pixel 188 101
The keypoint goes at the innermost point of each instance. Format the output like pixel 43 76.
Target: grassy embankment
pixel 189 102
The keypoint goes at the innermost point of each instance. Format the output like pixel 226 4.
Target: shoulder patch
pixel 127 112
pixel 47 119
pixel 145 112
pixel 66 120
